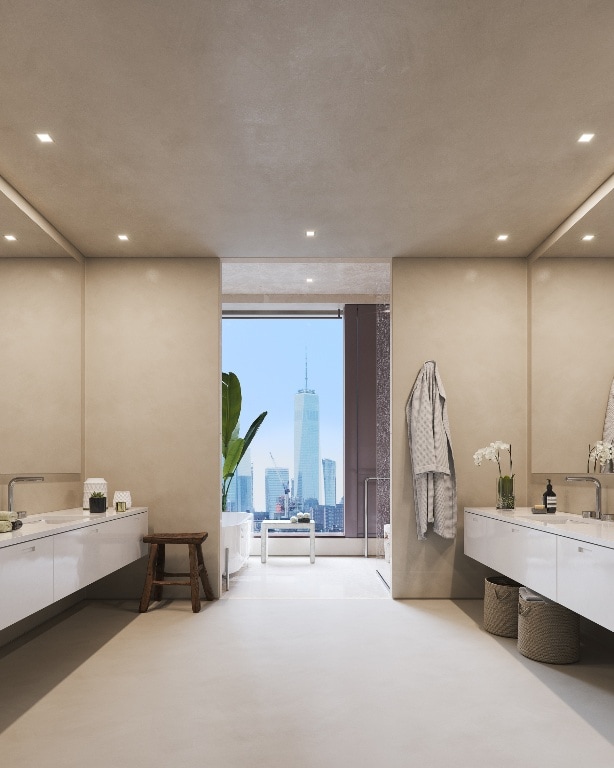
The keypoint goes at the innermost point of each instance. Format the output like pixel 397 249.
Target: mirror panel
pixel 572 359
pixel 40 379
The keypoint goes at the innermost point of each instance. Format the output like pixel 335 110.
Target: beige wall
pixel 152 391
pixel 470 316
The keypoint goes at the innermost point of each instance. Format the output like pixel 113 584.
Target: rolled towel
pixel 8 516
pixel 5 526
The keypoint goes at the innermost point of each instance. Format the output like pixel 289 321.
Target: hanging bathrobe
pixel 430 448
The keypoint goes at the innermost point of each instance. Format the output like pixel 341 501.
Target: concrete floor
pixel 310 681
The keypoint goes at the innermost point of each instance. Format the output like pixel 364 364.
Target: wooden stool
pixel 155 568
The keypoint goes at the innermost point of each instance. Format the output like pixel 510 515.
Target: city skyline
pixel 268 356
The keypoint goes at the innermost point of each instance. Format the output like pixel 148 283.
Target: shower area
pixel 367 431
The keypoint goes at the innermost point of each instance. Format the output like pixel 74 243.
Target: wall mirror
pixel 572 360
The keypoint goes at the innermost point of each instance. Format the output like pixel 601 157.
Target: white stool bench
pixel 287 525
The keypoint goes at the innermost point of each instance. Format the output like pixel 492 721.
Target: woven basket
pixel 501 606
pixel 548 632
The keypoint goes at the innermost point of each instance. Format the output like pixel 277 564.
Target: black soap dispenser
pixel 549 498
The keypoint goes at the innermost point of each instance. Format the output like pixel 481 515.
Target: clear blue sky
pixel 268 356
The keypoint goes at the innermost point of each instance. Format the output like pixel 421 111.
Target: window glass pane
pixel 292 368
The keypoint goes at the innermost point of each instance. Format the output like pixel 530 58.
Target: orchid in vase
pixel 505 483
pixel 602 452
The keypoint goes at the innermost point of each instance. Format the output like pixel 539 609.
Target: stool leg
pixel 160 565
pixel 203 574
pixel 153 552
pixel 194 586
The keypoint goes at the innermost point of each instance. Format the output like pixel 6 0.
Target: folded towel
pixel 8 516
pixel 5 526
pixel 532 597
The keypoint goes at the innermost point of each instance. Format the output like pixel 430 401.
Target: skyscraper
pixel 241 490
pixel 275 482
pixel 329 472
pixel 307 443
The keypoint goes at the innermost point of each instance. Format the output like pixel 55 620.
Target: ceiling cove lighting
pixel 585 138
pixel 122 237
pixel 10 237
pixel 502 237
pixel 310 233
pixel 44 138
pixel 588 237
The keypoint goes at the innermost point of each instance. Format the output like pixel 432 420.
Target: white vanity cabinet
pixel 56 554
pixel 26 579
pixel 87 554
pixel 564 558
pixel 523 554
pixel 584 582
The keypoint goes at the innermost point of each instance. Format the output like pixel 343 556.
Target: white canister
pixel 93 485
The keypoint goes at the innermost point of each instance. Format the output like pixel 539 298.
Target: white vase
pixel 93 485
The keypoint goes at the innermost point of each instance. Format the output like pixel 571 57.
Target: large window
pixel 292 368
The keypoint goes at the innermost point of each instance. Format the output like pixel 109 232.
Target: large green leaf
pixel 233 457
pixel 233 446
pixel 251 432
pixel 231 408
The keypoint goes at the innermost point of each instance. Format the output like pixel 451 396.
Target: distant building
pixel 329 472
pixel 275 482
pixel 306 444
pixel 241 491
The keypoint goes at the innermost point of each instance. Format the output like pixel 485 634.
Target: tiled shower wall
pixel 382 456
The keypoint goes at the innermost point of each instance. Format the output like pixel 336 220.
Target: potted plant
pixel 233 446
pixel 98 502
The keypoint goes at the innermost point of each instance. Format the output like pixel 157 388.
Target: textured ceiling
pixel 227 129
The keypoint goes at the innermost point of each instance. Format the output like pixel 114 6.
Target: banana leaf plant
pixel 233 446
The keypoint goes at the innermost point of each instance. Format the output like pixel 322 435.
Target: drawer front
pixel 523 554
pixel 531 558
pixel 585 573
pixel 26 575
pixel 481 540
pixel 77 560
pixel 86 555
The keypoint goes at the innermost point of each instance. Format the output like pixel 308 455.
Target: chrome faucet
pixel 588 479
pixel 24 479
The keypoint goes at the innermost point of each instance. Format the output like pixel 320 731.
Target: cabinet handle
pixel 584 549
pixel 29 549
pixel 94 530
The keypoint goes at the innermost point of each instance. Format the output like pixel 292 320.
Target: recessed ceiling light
pixel 122 237
pixel 585 138
pixel 310 279
pixel 44 138
pixel 10 237
pixel 502 237
pixel 588 237
pixel 310 233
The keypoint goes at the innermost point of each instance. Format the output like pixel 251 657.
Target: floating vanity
pixel 568 558
pixel 55 554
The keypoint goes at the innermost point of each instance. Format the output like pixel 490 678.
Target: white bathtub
pixel 237 531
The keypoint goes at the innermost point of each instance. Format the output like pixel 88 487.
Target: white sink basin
pixel 52 519
pixel 546 519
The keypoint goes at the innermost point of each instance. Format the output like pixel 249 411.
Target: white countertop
pixel 560 524
pixel 37 526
